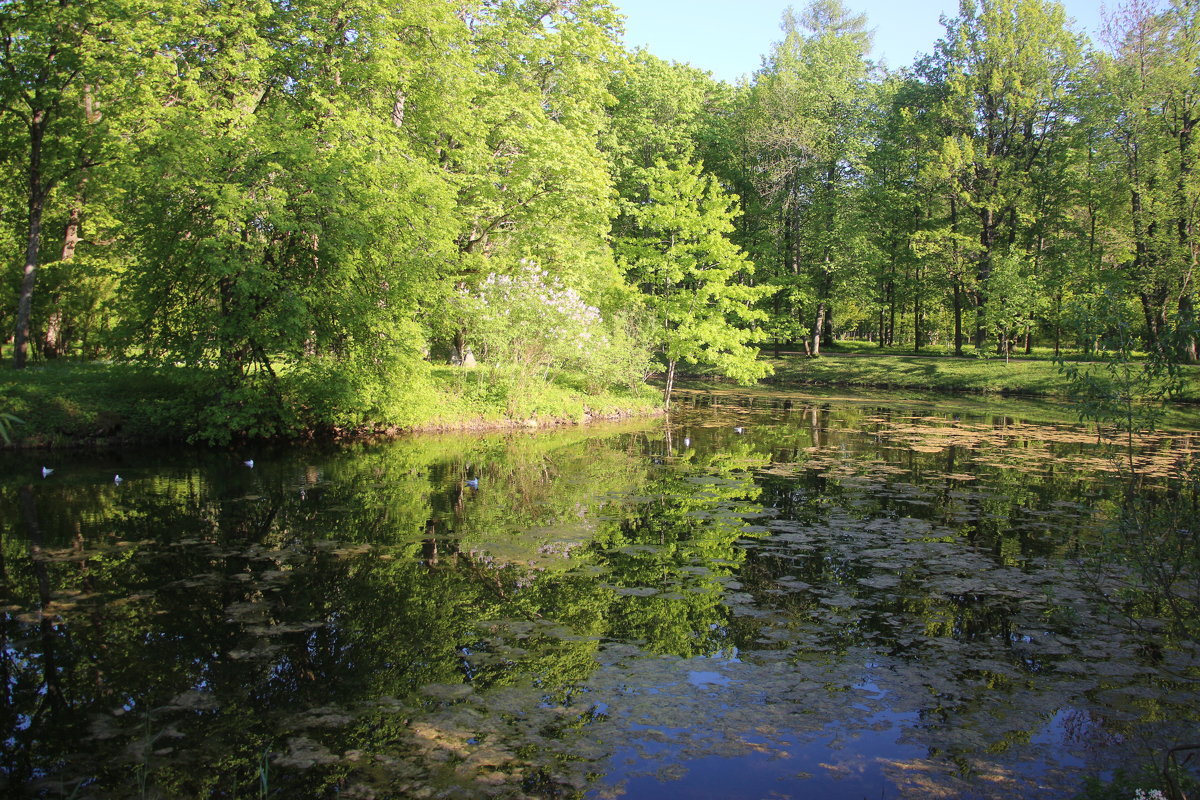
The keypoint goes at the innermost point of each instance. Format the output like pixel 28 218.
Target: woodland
pixel 303 207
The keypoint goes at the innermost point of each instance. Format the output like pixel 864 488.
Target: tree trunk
pixel 958 337
pixel 55 339
pixel 670 383
pixel 891 334
pixel 818 329
pixel 987 239
pixel 1153 320
pixel 917 312
pixel 37 197
pixel 1187 316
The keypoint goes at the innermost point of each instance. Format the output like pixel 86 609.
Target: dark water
pixel 767 598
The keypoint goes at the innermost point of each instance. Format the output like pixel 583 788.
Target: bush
pixel 528 324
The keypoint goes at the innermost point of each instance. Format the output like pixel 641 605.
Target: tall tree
pixel 66 70
pixel 531 179
pixel 1009 65
pixel 692 275
pixel 1145 109
pixel 808 101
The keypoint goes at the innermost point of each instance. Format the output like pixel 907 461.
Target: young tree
pixel 694 279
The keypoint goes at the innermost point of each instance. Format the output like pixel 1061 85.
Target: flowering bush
pixel 531 323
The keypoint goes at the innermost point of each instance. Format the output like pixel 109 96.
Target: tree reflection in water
pixel 843 600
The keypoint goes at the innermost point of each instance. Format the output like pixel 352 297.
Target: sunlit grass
pixel 857 368
pixel 80 401
pixel 1038 353
pixel 73 401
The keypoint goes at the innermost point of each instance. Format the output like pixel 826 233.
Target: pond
pixel 765 596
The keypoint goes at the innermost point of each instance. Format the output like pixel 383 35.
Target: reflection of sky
pixel 829 765
pixel 869 753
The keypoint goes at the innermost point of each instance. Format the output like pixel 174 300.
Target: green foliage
pixel 1116 388
pixel 529 324
pixel 696 281
pixel 63 403
pixel 362 395
pixel 292 201
pixel 806 138
pixel 118 402
pixel 7 421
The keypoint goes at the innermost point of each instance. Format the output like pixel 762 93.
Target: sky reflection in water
pixel 845 599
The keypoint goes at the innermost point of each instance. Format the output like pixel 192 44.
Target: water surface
pixel 765 597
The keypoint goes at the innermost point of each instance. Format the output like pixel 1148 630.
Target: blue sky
pixel 729 37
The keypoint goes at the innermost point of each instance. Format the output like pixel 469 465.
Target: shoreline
pixel 478 424
pixel 99 405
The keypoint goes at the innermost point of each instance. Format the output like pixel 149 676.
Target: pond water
pixel 766 596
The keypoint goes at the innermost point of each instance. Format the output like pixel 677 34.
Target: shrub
pixel 528 324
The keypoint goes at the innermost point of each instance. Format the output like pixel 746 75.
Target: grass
pixel 79 402
pixel 75 402
pixel 848 346
pixel 855 366
pixel 469 397
pixel 63 402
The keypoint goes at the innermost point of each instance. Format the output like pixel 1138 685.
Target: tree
pixel 67 74
pixel 283 218
pixel 1009 66
pixel 694 279
pixel 808 140
pixel 658 114
pixel 908 206
pixel 523 151
pixel 1145 108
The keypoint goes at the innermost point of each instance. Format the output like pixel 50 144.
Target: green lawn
pixel 845 346
pixel 76 402
pixel 1039 377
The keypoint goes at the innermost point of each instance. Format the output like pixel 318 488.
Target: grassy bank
pixel 852 367
pixel 102 402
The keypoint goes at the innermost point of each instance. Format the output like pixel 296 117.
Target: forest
pixel 307 205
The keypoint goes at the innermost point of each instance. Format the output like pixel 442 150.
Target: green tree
pixel 70 75
pixel 283 215
pixel 808 143
pixel 1144 108
pixel 523 150
pixel 1008 66
pixel 658 114
pixel 695 280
